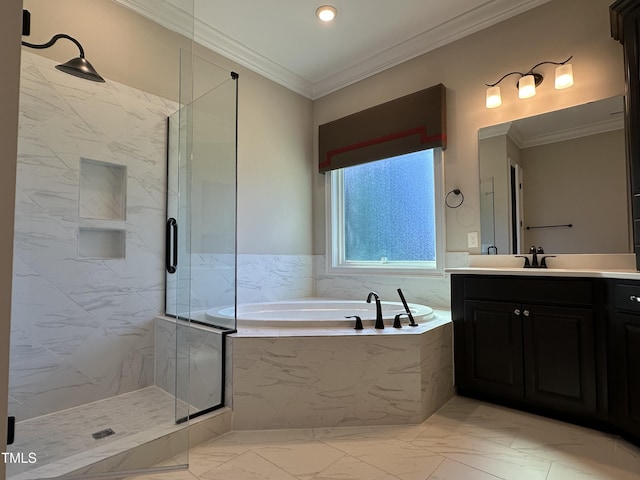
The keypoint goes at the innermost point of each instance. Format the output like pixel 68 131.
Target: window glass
pixel 389 211
pixel 386 215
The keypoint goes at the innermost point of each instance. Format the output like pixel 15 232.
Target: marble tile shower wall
pixel 83 328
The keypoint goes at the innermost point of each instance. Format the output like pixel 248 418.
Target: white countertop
pixel 621 266
pixel 626 274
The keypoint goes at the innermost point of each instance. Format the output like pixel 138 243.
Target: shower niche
pixel 102 210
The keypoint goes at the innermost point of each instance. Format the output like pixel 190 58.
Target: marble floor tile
pixel 465 440
pixel 248 466
pixel 301 459
pixel 452 470
pixel 351 468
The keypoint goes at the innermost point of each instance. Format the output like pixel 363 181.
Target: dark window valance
pixel 404 125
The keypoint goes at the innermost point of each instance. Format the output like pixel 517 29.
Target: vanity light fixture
pixel 529 81
pixel 326 13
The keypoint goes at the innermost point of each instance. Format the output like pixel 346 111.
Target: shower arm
pixel 53 40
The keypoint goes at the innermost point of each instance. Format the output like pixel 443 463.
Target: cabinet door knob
pixel 516 311
pixel 526 313
pixel 633 298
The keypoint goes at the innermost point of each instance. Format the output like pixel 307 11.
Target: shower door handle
pixel 171 246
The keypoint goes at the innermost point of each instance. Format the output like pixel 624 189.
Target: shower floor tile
pixel 63 441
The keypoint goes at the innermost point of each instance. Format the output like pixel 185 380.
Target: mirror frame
pixel 624 20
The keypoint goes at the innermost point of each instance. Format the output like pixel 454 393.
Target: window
pixel 386 216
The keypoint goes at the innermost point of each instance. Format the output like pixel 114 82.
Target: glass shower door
pixel 201 236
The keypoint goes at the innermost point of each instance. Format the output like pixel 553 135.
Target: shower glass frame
pixel 201 233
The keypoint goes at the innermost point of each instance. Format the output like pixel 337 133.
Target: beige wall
pixel 275 162
pixel 10 21
pixel 594 199
pixel 550 32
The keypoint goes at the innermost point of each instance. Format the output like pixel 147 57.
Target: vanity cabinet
pixel 527 340
pixel 624 363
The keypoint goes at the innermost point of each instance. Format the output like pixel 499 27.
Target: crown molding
pixel 164 14
pixel 494 130
pixel 512 131
pixel 226 46
pixel 486 15
pixel 177 20
pixel 571 133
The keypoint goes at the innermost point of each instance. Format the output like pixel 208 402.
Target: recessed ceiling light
pixel 326 13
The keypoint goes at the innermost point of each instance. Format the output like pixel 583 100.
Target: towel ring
pixel 457 193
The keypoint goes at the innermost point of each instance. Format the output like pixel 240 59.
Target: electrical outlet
pixel 472 239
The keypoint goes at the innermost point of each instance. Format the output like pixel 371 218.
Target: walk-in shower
pixel 92 374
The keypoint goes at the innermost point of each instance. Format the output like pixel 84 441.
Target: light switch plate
pixel 472 239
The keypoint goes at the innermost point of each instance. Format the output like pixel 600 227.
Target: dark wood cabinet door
pixel 559 358
pixel 493 349
pixel 624 395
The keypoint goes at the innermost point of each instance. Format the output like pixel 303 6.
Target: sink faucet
pixel 534 258
pixel 379 323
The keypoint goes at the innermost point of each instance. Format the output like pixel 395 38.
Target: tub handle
pixel 358 322
pixel 171 246
pixel 397 322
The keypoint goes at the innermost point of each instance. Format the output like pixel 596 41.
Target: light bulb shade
pixel 527 86
pixel 494 99
pixel 564 76
pixel 326 13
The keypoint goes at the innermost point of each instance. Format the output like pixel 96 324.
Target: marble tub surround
pixel 270 278
pixel 260 278
pixel 83 328
pixel 295 379
pixel 433 291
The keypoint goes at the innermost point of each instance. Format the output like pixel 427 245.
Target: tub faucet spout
pixel 379 323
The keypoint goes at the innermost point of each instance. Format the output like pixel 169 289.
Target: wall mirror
pixel 557 180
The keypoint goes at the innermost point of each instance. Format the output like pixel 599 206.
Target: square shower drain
pixel 103 433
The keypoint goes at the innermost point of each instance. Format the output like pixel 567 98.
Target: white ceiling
pixel 284 41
